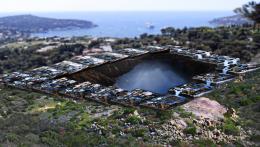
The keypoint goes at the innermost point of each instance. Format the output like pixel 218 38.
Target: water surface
pixel 130 24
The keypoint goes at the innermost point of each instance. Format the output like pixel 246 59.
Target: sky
pixel 118 5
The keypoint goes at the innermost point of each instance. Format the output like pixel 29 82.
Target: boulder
pixel 179 123
pixel 206 108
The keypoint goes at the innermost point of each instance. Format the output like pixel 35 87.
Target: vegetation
pixel 244 98
pixel 250 10
pixel 236 41
pixel 24 59
pixel 230 127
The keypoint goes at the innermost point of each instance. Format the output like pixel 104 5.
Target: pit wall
pixel 106 74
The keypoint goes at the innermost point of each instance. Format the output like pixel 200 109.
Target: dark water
pixel 153 76
pixel 130 24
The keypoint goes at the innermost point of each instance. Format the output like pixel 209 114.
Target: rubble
pixel 164 102
pixel 55 86
pixel 68 66
pixel 108 56
pixel 214 78
pixel 243 69
pixel 134 97
pixel 155 49
pixel 88 61
pixel 191 90
pixel 132 52
pixel 204 56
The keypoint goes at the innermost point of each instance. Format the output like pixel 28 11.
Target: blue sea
pixel 130 24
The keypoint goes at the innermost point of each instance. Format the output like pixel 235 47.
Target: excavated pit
pixel 156 72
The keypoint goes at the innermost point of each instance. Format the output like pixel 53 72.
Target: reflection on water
pixel 153 76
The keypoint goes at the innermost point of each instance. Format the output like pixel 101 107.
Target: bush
pixel 12 137
pixel 128 111
pixel 191 130
pixel 204 143
pixel 139 132
pixel 164 115
pixel 230 127
pixel 50 138
pixel 133 120
pixel 183 113
pixel 247 101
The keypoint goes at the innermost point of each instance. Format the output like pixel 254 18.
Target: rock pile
pixel 207 124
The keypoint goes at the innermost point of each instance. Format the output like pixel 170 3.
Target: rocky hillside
pixel 34 24
pixel 222 119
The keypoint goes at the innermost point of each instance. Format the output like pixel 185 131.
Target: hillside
pixel 34 24
pixel 230 20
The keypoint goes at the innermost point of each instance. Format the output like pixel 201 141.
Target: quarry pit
pixel 154 77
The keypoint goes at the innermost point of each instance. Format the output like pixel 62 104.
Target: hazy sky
pixel 118 5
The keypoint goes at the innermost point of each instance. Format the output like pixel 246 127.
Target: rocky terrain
pixel 31 119
pixel 218 119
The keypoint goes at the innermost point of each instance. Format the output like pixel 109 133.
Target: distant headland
pixel 35 24
pixel 230 20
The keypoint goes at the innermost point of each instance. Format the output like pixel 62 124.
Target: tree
pixel 250 11
pixel 169 31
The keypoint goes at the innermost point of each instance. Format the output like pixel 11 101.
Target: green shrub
pixel 50 138
pixel 128 111
pixel 139 132
pixel 133 120
pixel 191 130
pixel 116 130
pixel 256 99
pixel 204 143
pixel 164 115
pixel 116 114
pixel 12 137
pixel 230 127
pixel 183 113
pixel 245 101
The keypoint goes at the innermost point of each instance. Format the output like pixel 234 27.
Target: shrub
pixel 139 132
pixel 245 101
pixel 133 120
pixel 50 138
pixel 230 127
pixel 128 111
pixel 116 130
pixel 256 99
pixel 204 143
pixel 116 114
pixel 12 137
pixel 164 115
pixel 191 130
pixel 183 113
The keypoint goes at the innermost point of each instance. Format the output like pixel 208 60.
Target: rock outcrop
pixel 205 108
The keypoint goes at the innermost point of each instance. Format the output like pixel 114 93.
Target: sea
pixel 129 24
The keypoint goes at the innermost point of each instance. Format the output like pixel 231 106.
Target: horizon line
pixel 72 11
